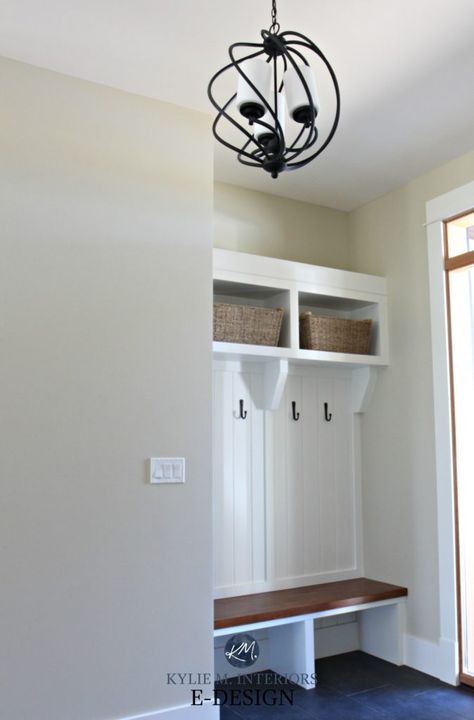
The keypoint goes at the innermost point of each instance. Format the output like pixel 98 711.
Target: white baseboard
pixel 183 712
pixel 436 659
pixel 224 591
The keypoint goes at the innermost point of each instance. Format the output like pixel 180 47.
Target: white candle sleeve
pixel 299 105
pixel 259 72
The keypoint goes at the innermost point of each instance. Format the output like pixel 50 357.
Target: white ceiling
pixel 405 68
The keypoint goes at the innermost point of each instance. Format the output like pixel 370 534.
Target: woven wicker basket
pixel 334 334
pixel 246 324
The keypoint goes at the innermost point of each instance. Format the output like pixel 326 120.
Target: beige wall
pixel 262 224
pixel 105 580
pixel 385 237
pixel 398 456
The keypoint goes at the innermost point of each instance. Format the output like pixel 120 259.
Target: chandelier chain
pixel 275 26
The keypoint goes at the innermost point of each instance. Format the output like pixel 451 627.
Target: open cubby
pixel 240 293
pixel 343 307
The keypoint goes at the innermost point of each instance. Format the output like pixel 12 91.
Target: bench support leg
pixel 292 652
pixel 382 631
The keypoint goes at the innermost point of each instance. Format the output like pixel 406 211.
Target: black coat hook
pixel 296 416
pixel 242 412
pixel 327 415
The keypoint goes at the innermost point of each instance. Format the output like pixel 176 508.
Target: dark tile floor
pixel 354 686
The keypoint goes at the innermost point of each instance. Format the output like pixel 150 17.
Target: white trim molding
pixel 431 658
pixel 443 207
pixel 207 711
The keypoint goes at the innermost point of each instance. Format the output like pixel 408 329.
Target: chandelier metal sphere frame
pixel 276 104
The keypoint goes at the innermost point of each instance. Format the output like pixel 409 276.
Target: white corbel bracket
pixel 276 372
pixel 363 384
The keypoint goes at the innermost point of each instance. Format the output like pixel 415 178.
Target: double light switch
pixel 166 470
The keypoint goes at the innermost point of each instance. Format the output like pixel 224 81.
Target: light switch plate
pixel 164 471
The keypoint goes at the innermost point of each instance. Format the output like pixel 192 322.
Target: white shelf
pixel 262 353
pixel 252 353
pixel 297 287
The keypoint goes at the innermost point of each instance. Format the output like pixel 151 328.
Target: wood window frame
pixel 457 262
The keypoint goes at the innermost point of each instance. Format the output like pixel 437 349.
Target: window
pixel 459 267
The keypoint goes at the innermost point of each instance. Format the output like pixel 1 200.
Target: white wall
pixel 398 452
pixel 105 337
pixel 262 224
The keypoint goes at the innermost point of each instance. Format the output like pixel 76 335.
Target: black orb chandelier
pixel 275 108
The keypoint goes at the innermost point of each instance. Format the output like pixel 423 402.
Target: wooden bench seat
pixel 246 609
pixel 289 617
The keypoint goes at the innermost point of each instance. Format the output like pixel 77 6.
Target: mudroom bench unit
pixel 288 615
pixel 287 490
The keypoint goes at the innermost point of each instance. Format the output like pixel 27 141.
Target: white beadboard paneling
pixel 295 459
pixel 326 471
pixel 239 482
pixel 344 508
pixel 279 481
pixel 258 514
pixel 242 476
pixel 270 516
pixel 311 478
pixel 285 495
pixel 273 583
pixel 223 480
